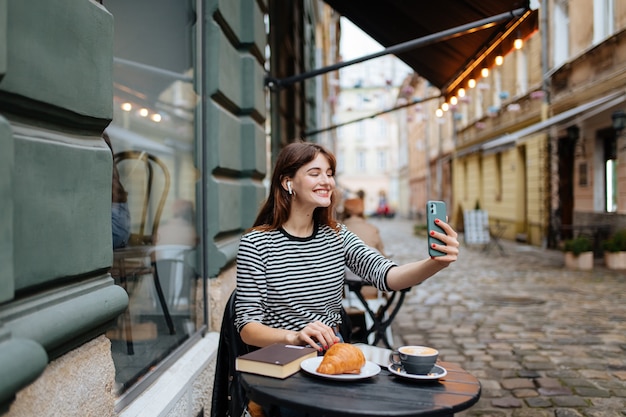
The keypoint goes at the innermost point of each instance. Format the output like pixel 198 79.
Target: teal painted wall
pixel 234 119
pixel 56 68
pixel 55 183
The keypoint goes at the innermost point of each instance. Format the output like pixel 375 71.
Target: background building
pixel 535 143
pixel 367 147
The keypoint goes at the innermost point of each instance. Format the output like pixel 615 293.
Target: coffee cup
pixel 418 360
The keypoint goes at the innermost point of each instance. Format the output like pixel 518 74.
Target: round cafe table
pixel 385 394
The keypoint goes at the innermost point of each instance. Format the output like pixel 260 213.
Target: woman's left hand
pixel 451 244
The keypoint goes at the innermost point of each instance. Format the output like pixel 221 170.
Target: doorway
pixel 566 148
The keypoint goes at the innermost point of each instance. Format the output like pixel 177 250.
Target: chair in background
pixel 478 231
pixel 175 271
pixel 379 312
pixel 147 180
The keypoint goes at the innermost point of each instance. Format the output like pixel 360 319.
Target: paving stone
pixel 567 412
pixel 553 391
pixel 531 413
pixel 507 402
pixel 621 375
pixel 506 365
pixel 591 392
pixel 604 413
pixel 538 366
pixel 592 374
pixel 569 401
pixel 526 373
pixel 578 382
pixel 548 382
pixel 525 393
pixel 516 383
pixel 538 402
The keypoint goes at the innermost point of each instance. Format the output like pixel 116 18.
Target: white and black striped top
pixel 287 282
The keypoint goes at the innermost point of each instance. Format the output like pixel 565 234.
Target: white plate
pixel 310 365
pixel 436 373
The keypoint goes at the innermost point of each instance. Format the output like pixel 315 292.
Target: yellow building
pixel 535 142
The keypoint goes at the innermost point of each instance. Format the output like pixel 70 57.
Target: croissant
pixel 342 358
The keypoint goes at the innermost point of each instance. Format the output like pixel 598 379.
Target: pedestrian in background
pixel 355 221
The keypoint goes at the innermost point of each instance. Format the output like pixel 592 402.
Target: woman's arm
pixel 257 334
pixel 408 275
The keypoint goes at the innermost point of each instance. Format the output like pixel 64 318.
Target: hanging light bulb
pixel 484 72
pixel 518 43
pixel 461 92
pixel 499 60
pixel 453 101
pixel 445 107
pixel 439 113
pixel 471 83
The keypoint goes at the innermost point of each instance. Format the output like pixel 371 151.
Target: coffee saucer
pixel 435 373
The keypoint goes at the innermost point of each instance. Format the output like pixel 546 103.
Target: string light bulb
pixel 439 113
pixel 461 92
pixel 453 101
pixel 484 72
pixel 471 83
pixel 518 43
pixel 499 60
pixel 445 107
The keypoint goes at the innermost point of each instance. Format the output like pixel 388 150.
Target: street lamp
pixel 619 121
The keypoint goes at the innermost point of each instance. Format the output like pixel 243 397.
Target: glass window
pixel 560 27
pixel 603 20
pixel 360 161
pixel 154 214
pixel 610 174
pixel 382 160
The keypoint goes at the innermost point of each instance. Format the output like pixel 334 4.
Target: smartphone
pixel 435 210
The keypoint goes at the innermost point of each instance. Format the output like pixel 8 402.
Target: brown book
pixel 277 360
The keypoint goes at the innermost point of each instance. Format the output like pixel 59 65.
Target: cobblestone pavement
pixel 543 340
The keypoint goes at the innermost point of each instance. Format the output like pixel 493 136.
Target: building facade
pixel 367 137
pixel 168 99
pixel 533 134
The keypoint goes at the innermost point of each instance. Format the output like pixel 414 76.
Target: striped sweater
pixel 287 282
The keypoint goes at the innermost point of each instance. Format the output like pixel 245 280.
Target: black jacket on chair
pixel 229 397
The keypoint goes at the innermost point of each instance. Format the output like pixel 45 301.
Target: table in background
pixel 382 395
pixel 378 319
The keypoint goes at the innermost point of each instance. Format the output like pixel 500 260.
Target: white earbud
pixel 289 187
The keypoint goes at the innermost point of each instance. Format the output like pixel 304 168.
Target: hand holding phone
pixel 435 210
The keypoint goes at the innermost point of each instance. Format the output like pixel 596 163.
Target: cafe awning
pixel 449 62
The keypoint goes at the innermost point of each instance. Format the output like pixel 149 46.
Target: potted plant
pixel 578 253
pixel 615 250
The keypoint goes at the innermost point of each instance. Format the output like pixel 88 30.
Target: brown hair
pixel 275 211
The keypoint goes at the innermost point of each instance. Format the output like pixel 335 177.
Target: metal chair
pixel 147 180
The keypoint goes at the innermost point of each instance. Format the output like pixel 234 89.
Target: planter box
pixel 583 262
pixel 615 260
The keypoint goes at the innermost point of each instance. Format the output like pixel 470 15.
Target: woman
pixel 290 266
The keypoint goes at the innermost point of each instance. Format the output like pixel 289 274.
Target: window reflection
pixel 152 137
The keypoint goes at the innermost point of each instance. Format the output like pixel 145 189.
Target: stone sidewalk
pixel 543 340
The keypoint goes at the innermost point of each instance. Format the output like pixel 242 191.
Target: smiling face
pixel 314 183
